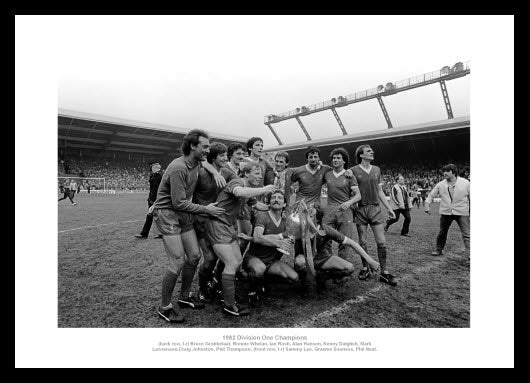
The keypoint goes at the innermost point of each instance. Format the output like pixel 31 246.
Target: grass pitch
pixel 108 278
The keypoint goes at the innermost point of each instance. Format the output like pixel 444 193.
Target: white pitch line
pixel 361 298
pixel 103 224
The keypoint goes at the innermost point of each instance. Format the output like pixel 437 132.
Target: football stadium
pixel 109 278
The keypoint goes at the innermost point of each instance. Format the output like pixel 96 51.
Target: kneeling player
pixel 263 256
pixel 327 265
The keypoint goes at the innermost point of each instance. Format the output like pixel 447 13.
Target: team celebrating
pixel 229 215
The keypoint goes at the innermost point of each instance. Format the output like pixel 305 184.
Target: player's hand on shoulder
pixel 348 173
pixel 219 180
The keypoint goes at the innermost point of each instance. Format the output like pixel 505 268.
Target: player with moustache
pixel 264 255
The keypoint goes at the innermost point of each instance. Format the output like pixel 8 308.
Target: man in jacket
pixel 454 206
pixel 399 201
pixel 154 181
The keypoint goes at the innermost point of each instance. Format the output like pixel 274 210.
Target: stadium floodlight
pixel 390 87
pixel 445 71
pixel 460 69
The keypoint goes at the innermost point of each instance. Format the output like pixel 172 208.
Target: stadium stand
pixel 117 150
pixel 419 175
pixel 118 174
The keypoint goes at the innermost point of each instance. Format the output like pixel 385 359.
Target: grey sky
pixel 224 74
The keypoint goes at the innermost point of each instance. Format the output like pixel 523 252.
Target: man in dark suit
pixel 154 181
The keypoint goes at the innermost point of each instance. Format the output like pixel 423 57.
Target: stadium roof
pixel 434 128
pixel 91 131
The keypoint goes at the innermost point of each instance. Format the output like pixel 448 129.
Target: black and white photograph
pixel 282 187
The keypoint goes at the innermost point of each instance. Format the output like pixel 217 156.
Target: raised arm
pixel 246 192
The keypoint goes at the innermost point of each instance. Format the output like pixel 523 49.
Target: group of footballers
pixel 230 207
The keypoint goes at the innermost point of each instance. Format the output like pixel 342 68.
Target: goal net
pixel 86 184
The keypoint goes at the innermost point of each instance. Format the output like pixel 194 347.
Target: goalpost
pixel 97 184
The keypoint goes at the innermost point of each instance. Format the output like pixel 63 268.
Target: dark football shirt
pixel 310 185
pixel 339 188
pixel 267 253
pixel 206 190
pixel 228 201
pixel 177 186
pixel 324 239
pixel 368 184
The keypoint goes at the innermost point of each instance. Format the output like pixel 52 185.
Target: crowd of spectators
pixel 418 176
pixel 123 175
pixel 133 175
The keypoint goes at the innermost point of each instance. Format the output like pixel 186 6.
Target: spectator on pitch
pixel 369 213
pixel 454 206
pixel 154 182
pixel 65 189
pixel 172 213
pixel 73 189
pixel 222 234
pixel 415 196
pixel 423 193
pixel 263 256
pixel 399 202
pixel 327 265
pixel 343 193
